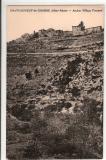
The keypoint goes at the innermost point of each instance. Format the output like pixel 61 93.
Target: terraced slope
pixel 62 41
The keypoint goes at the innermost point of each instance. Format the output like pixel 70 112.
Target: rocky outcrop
pixel 56 81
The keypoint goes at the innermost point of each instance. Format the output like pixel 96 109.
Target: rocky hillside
pixel 55 100
pixel 54 41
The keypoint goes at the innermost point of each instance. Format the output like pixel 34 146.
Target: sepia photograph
pixel 54 101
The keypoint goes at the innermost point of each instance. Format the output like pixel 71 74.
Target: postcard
pixel 55 56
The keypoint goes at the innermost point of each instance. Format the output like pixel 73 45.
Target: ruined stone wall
pixel 77 30
pixel 93 29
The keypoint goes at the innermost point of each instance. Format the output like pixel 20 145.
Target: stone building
pixel 93 29
pixel 80 29
pixel 77 30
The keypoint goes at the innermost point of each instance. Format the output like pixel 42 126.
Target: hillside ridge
pixel 52 40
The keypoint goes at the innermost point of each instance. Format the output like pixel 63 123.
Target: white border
pixel 3 58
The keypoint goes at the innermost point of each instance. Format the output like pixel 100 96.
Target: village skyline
pixel 19 23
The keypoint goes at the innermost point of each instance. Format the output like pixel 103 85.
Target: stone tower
pixel 77 30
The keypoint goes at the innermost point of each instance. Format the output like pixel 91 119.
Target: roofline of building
pixel 90 27
pixel 94 27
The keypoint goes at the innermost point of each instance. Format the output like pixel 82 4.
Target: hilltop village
pixel 51 40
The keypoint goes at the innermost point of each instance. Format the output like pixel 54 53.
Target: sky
pixel 26 19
